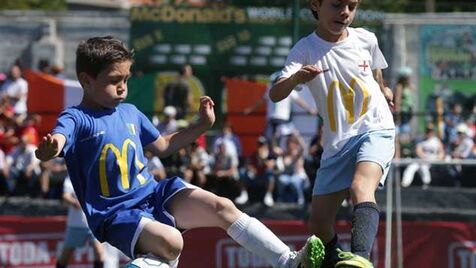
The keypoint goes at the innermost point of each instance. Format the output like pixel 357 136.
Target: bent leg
pixel 200 208
pixel 64 257
pixel 324 210
pixel 409 174
pixel 161 240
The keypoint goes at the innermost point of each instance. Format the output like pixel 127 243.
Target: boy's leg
pixel 199 208
pixel 64 257
pixel 365 219
pixel 98 253
pixel 324 210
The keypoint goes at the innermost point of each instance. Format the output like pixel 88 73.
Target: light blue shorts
pixel 123 229
pixel 336 172
pixel 77 237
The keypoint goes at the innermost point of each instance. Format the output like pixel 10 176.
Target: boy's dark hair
pixel 314 13
pixel 97 53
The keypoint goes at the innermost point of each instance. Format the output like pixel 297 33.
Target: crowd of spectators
pixel 281 169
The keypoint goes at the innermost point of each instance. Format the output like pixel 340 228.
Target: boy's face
pixel 334 17
pixel 109 88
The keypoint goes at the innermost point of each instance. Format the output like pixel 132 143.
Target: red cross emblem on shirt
pixel 364 65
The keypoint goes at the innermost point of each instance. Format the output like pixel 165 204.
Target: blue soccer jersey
pixel 105 159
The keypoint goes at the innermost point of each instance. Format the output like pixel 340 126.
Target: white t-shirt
pixel 14 89
pixel 431 148
pixel 281 109
pixel 76 217
pixel 20 159
pixel 347 96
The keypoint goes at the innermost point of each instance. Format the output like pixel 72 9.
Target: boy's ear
pixel 314 5
pixel 84 80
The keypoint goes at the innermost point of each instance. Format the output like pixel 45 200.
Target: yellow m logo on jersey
pixel 121 158
pixel 348 96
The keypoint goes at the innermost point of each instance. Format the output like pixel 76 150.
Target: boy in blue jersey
pixel 102 141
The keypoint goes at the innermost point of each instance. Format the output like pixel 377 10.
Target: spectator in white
pixel 463 143
pixel 431 148
pixel 24 168
pixel 77 230
pixel 278 114
pixel 230 140
pixel 463 147
pixel 169 124
pixel 15 89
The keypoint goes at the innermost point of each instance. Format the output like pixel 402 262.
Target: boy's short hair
pixel 97 53
pixel 314 13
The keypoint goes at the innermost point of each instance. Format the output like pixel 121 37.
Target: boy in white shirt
pixel 77 230
pixel 342 68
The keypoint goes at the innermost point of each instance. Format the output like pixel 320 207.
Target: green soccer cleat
pixel 311 254
pixel 349 260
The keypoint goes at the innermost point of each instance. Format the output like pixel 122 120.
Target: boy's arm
pixel 255 106
pixel 71 200
pixel 169 144
pixel 50 146
pixel 387 92
pixel 283 87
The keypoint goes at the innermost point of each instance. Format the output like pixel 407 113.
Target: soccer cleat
pixel 349 260
pixel 310 255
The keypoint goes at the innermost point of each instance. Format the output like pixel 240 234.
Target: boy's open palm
pixel 47 149
pixel 206 111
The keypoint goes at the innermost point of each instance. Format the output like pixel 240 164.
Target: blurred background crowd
pixel 282 168
pixel 432 80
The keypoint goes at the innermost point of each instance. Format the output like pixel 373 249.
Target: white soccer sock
pixel 258 239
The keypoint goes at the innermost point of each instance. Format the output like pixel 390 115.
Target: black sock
pixel 60 265
pixel 98 264
pixel 364 228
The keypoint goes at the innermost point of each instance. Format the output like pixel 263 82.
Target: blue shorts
pixel 336 172
pixel 123 229
pixel 77 237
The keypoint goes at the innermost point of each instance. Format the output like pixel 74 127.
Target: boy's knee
pixel 224 205
pixel 170 246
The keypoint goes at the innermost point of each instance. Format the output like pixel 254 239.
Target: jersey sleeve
pixel 378 59
pixel 294 61
pixel 66 125
pixel 148 132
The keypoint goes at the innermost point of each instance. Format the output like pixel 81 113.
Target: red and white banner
pixel 48 96
pixel 36 241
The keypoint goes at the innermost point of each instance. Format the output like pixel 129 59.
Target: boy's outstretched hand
pixel 47 149
pixel 206 111
pixel 306 73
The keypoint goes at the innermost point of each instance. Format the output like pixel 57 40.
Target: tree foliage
pixel 33 5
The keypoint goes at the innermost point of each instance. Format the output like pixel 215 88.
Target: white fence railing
pixel 393 186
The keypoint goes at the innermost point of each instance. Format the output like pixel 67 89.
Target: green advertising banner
pixel 448 65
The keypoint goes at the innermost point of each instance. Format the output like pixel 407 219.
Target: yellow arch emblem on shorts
pixel 347 95
pixel 121 158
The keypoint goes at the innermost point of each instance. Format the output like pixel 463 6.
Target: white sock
pixel 258 239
